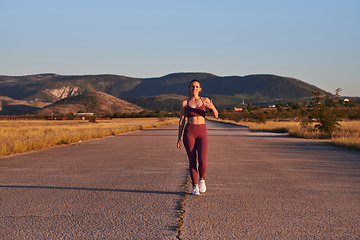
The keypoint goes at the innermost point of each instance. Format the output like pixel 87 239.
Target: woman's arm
pixel 209 104
pixel 181 123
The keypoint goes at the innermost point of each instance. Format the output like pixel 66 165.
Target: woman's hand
pixel 209 104
pixel 179 144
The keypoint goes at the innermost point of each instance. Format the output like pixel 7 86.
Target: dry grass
pixel 348 136
pixel 26 135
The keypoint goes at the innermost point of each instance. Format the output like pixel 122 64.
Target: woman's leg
pixel 190 146
pixel 202 148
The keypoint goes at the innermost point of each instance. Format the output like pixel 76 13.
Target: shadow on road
pixel 93 189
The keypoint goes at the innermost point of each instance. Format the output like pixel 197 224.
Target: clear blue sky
pixel 314 41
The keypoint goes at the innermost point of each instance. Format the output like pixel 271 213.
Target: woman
pixel 195 133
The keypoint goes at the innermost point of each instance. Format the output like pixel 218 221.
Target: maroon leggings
pixel 195 139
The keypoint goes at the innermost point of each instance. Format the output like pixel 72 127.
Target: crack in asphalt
pixel 182 209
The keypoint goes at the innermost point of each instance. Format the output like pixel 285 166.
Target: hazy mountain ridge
pixel 35 86
pixel 225 91
pixel 26 79
pixel 269 86
pixel 175 83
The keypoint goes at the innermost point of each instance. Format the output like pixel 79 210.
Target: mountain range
pixel 50 92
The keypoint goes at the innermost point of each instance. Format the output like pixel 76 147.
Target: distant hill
pixel 266 86
pixel 95 102
pixel 225 91
pixel 176 83
pixel 164 102
pixel 9 106
pixel 52 87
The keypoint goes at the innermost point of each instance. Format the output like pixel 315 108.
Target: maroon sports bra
pixel 195 112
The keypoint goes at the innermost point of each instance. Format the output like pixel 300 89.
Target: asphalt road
pixel 131 186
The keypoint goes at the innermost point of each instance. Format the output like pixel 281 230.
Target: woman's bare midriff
pixel 196 120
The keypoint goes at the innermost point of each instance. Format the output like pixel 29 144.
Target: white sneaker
pixel 196 190
pixel 202 186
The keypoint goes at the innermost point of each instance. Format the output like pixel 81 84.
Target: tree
pixel 297 106
pixel 261 118
pixel 249 107
pixel 117 115
pixel 291 104
pixel 279 106
pixel 326 114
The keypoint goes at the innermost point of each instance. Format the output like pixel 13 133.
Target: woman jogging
pixel 195 134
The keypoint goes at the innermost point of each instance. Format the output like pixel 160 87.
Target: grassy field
pixel 18 136
pixel 348 136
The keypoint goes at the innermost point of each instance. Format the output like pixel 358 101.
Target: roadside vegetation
pixel 71 116
pixel 18 136
pixel 326 117
pixel 348 136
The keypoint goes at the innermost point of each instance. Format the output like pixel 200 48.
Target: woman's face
pixel 195 88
